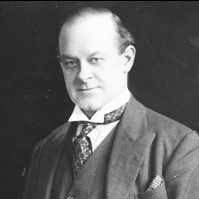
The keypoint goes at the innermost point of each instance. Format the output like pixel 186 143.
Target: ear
pixel 129 57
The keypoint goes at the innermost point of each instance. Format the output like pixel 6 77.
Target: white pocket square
pixel 157 181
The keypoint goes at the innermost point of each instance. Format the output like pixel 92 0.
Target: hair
pixel 125 37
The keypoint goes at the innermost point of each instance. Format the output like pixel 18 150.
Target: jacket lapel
pixel 132 139
pixel 50 160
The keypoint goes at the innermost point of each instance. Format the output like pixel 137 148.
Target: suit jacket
pixel 146 144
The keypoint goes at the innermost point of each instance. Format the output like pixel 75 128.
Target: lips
pixel 86 89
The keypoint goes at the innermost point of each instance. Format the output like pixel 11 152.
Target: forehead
pixel 90 32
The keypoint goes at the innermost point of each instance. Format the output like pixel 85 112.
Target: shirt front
pixel 98 134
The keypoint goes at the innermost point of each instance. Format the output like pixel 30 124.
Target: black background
pixel 33 99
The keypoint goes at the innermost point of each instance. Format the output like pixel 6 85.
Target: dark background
pixel 33 99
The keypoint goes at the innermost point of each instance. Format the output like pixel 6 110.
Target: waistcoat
pixel 90 183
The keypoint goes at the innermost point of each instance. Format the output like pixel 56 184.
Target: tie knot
pixel 87 127
pixel 110 117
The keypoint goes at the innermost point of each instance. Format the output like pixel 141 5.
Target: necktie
pixel 82 147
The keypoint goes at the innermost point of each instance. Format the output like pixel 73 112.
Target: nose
pixel 85 71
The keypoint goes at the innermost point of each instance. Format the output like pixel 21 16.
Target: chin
pixel 90 105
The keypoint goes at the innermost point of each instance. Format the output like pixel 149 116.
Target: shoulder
pixel 162 124
pixel 144 120
pixel 154 121
pixel 54 138
pixel 165 130
pixel 169 132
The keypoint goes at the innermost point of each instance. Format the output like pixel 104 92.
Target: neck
pixel 89 114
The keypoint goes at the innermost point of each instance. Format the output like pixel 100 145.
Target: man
pixel 112 146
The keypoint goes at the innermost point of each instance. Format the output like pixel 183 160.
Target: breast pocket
pixel 157 193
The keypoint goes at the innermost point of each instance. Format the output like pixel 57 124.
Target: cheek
pixel 69 81
pixel 112 75
pixel 110 81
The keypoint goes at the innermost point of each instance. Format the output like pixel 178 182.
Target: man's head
pixel 96 54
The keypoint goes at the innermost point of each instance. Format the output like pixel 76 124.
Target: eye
pixel 95 60
pixel 69 63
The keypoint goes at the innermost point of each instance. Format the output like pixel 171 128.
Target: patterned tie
pixel 82 147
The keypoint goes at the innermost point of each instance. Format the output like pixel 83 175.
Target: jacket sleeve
pixel 33 173
pixel 182 173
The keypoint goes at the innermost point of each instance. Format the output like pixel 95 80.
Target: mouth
pixel 87 89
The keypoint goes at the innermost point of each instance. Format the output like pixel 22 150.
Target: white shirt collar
pixel 78 115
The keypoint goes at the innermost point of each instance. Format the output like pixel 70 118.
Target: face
pixel 94 70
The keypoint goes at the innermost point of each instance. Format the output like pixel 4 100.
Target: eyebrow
pixel 95 53
pixel 65 56
pixel 68 56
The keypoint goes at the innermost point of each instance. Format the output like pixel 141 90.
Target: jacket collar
pixel 132 139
